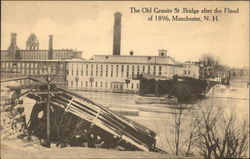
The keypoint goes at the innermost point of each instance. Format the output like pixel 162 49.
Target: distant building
pixel 32 51
pixel 192 69
pixel 118 73
pixel 239 77
pixel 37 68
pixel 34 62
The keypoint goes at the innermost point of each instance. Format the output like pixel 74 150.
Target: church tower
pixel 32 42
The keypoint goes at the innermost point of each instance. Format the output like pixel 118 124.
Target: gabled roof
pixel 32 39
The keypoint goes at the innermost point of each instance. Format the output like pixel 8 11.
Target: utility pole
pixel 48 114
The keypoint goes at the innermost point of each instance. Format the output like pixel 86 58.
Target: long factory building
pixel 115 73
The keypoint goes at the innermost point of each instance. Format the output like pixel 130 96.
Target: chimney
pixel 13 38
pixel 117 34
pixel 50 52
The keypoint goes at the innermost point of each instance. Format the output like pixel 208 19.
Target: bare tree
pixel 218 136
pixel 179 114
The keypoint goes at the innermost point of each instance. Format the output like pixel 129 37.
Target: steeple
pixel 32 42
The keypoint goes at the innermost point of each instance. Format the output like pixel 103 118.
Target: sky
pixel 88 27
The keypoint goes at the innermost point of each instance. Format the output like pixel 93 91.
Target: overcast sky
pixel 88 26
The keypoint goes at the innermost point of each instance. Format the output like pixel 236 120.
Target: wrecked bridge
pixel 64 117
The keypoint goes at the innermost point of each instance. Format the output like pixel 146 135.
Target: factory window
pixel 72 72
pixel 96 84
pixel 81 72
pixel 77 72
pixel 100 84
pixel 106 84
pixel 86 72
pixel 86 84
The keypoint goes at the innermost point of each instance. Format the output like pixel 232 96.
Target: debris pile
pixel 65 118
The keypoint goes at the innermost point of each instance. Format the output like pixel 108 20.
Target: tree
pixel 220 136
pixel 179 116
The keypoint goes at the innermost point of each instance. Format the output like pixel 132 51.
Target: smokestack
pixel 50 53
pixel 13 38
pixel 117 34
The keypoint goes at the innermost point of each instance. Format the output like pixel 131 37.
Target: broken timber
pixel 75 120
pixel 120 130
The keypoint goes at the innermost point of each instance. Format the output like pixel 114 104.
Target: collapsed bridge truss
pixel 76 120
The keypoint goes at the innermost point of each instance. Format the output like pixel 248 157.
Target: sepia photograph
pixel 124 79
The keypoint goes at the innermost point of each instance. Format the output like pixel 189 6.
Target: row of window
pixel 30 65
pixel 107 73
pixel 116 67
pixel 33 55
pixel 114 72
pixel 97 84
